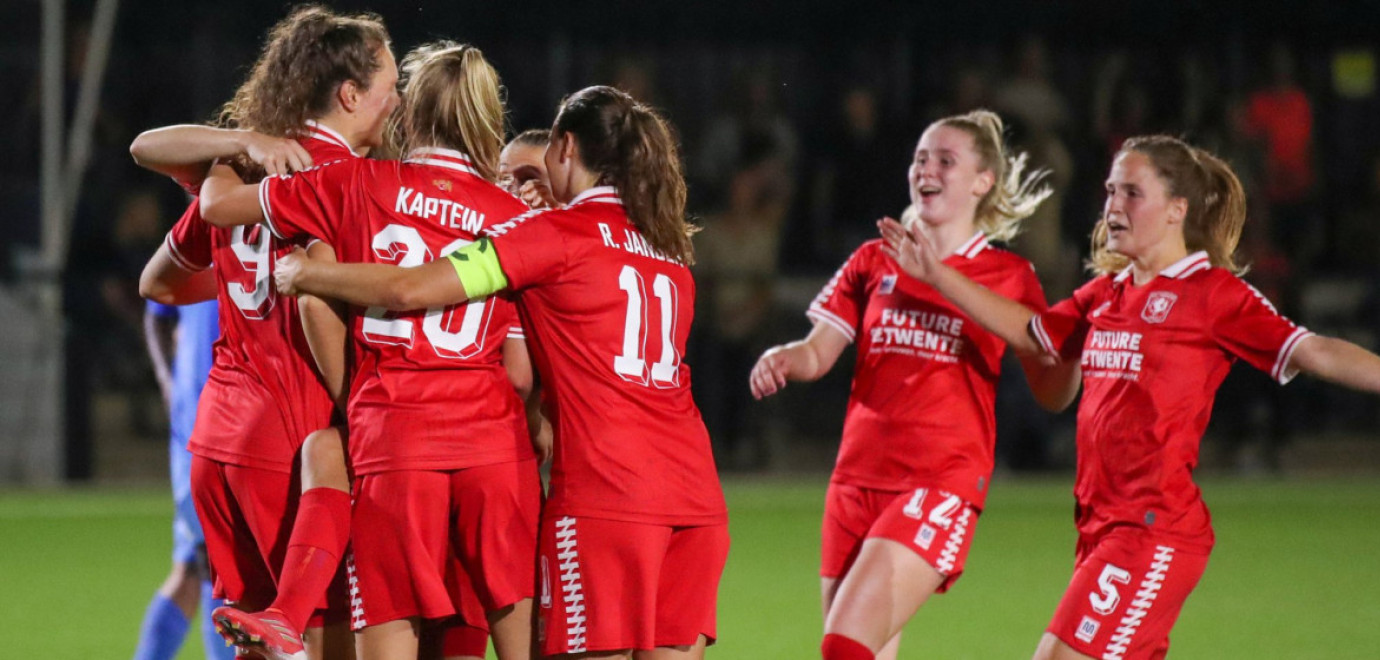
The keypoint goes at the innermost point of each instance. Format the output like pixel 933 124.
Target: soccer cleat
pixel 263 634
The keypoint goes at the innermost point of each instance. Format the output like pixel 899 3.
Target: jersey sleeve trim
pixel 516 332
pixel 1037 329
pixel 818 314
pixel 182 262
pixel 267 207
pixel 1281 372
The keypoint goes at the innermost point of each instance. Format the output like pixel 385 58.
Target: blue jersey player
pixel 179 341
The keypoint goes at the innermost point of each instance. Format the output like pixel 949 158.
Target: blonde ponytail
pixel 453 98
pixel 1015 194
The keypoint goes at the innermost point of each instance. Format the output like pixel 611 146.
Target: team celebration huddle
pixel 418 309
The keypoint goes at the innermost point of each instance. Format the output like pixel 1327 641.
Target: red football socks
pixel 319 535
pixel 838 647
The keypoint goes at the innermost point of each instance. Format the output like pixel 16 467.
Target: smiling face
pixel 947 177
pixel 1140 215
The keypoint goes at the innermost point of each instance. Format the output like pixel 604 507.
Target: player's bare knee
pixel 323 461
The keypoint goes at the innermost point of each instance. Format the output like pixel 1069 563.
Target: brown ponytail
pixel 1216 202
pixel 452 98
pixel 634 150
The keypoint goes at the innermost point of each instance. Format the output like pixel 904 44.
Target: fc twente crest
pixel 1157 306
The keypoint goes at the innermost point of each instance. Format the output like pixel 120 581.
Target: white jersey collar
pixel 327 134
pixel 441 157
pixel 604 194
pixel 973 247
pixel 1178 270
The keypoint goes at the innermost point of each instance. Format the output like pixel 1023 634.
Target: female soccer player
pixel 634 535
pixel 522 169
pixel 917 454
pixel 327 80
pixel 438 439
pixel 1155 333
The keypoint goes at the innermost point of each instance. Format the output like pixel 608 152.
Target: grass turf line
pixel 1295 573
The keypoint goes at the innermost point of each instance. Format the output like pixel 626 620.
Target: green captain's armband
pixel 478 268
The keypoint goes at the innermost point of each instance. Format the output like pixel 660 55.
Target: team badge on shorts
pixel 888 284
pixel 925 537
pixel 1157 306
pixel 1087 629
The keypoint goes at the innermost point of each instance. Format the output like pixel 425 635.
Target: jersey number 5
pixel 632 364
pixel 405 246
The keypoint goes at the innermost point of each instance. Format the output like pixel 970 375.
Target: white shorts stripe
pixel 572 587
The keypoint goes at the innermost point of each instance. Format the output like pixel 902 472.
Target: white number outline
pixel 1105 603
pixel 383 327
pixel 256 258
pixel 631 365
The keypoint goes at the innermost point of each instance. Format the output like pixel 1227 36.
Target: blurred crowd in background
pixel 794 144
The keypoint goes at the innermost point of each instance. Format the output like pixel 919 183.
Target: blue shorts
pixel 187 536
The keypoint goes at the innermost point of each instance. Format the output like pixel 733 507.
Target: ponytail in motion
pixel 630 147
pixel 1015 194
pixel 1216 202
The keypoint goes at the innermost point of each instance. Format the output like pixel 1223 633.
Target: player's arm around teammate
pixel 452 117
pixel 653 539
pixel 893 536
pixel 1163 250
pixel 184 152
pixel 314 93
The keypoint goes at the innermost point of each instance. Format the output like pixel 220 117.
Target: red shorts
pixel 1125 595
pixel 410 527
pixel 935 524
pixel 247 516
pixel 608 585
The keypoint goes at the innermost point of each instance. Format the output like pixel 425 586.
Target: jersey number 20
pixel 382 327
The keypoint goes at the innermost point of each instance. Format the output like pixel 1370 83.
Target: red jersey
pixel 430 391
pixel 609 316
pixel 263 396
pixel 1152 357
pixel 921 410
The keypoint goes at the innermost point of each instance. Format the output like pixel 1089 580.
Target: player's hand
pixel 769 374
pixel 910 250
pixel 536 194
pixel 276 155
pixel 288 270
pixel 543 440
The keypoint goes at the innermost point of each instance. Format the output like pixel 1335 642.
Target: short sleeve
pixel 309 203
pixel 1246 325
pixel 531 248
pixel 842 301
pixel 189 241
pixel 1032 294
pixel 1062 327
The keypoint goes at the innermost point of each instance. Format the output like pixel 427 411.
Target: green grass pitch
pixel 1296 573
